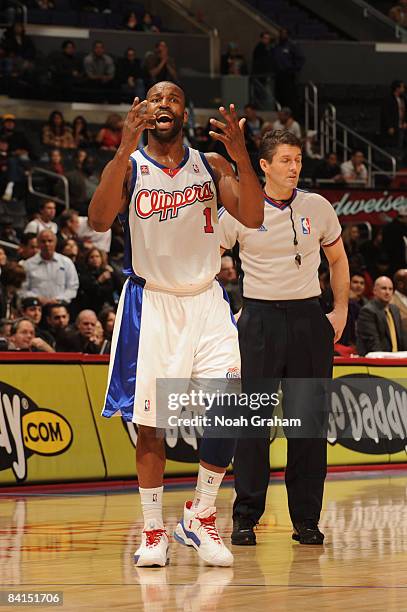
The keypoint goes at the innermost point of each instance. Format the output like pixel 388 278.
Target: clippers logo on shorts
pixel 167 204
pixel 145 170
pixel 147 406
pixel 306 225
pixel 233 373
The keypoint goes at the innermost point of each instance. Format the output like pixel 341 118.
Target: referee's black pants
pixel 281 340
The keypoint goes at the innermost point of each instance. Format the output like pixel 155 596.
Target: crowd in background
pixel 72 307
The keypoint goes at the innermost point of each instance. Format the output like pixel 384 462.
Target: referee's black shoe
pixel 307 532
pixel 243 532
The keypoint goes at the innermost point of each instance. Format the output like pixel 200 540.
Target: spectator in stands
pixel 44 219
pixel 11 279
pixel 395 239
pixel 68 226
pixel 3 258
pixel 56 165
pixel 398 13
pixel 148 24
pixel 23 337
pixel 253 121
pixel 17 44
pixel 286 121
pixel 399 298
pixel 7 174
pixel 351 242
pixel 80 132
pixel 374 252
pixel 98 283
pixel 80 156
pixel 57 320
pixel 394 118
pixel 82 184
pixel 66 68
pixel 328 169
pixel 263 58
pixel 31 308
pixel 18 157
pixel 357 289
pixel 130 75
pixel 109 137
pixel 227 277
pixel 19 145
pixel 159 65
pixel 56 133
pixel 288 61
pixel 201 138
pixel 70 249
pixel 233 62
pixel 56 162
pixel 5 332
pixel 354 171
pixel 107 317
pixel 28 246
pixel 82 338
pixel 132 23
pixel 51 277
pixel 356 302
pixel 99 67
pixel 379 325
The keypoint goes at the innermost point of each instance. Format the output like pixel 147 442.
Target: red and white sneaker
pixel 153 551
pixel 199 530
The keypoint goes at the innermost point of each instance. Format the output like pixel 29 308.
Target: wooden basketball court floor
pixel 82 544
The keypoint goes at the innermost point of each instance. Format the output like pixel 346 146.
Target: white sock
pixel 207 487
pixel 152 506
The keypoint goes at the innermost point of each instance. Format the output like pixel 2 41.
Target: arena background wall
pixel 51 430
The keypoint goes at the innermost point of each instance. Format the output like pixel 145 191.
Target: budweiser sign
pixel 354 206
pixel 149 202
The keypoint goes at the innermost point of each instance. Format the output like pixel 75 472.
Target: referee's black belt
pixel 280 303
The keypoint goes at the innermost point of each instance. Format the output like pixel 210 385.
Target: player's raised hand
pixel 137 120
pixel 231 132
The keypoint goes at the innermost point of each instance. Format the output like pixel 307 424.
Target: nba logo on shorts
pixel 145 170
pixel 306 225
pixel 147 406
pixel 196 168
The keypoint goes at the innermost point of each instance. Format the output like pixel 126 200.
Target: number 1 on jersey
pixel 208 227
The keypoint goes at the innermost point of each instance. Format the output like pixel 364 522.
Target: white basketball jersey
pixel 171 230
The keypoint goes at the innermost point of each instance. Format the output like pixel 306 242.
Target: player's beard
pixel 171 134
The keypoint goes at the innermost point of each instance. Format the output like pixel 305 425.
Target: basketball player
pixel 172 320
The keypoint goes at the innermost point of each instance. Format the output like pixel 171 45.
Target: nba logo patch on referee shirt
pixel 145 170
pixel 306 225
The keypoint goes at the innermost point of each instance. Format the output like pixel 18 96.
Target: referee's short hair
pixel 271 140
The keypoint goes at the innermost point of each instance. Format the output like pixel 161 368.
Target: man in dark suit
pixel 393 116
pixel 379 324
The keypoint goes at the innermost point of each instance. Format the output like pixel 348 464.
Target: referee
pixel 284 334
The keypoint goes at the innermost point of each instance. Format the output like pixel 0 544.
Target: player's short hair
pixel 271 140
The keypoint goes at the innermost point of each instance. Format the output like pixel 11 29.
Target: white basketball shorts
pixel 162 336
